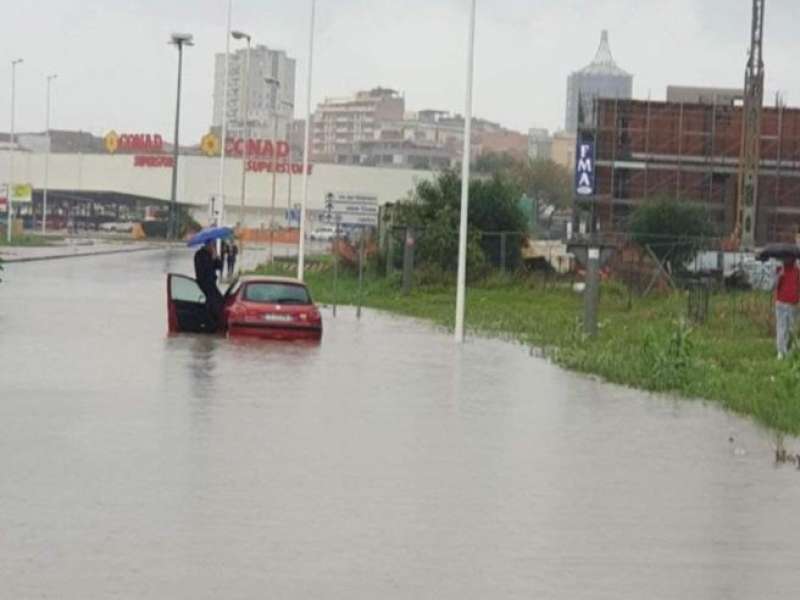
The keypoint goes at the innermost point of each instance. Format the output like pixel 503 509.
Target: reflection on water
pixel 382 463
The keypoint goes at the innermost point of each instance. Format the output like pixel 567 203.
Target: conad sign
pixel 134 142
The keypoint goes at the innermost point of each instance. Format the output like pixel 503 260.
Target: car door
pixel 186 306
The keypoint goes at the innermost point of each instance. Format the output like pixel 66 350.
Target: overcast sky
pixel 116 70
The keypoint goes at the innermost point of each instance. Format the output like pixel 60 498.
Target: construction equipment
pixel 750 159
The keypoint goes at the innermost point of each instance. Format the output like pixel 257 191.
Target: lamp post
pixel 306 147
pixel 277 86
pixel 224 117
pixel 179 40
pixel 239 35
pixel 50 79
pixel 9 190
pixel 465 160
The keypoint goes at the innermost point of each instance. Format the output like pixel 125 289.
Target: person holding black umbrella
pixel 787 296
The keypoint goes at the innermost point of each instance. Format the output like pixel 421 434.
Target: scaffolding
pixel 647 150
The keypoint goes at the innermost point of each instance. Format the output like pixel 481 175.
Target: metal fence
pixel 713 282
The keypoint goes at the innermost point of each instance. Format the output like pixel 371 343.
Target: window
pixel 276 293
pixel 184 289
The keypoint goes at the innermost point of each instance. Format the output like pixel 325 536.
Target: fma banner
pixel 584 169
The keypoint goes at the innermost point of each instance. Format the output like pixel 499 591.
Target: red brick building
pixel 646 150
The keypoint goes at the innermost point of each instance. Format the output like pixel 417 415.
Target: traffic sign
pixel 349 208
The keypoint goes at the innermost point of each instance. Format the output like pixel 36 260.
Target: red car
pixel 256 306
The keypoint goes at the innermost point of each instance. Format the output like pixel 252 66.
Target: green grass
pixel 28 240
pixel 648 345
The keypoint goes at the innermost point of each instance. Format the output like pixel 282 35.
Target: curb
pixel 9 261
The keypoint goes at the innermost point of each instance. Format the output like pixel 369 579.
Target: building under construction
pixel 647 150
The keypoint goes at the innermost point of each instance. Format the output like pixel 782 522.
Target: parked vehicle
pixel 323 233
pixel 117 227
pixel 255 306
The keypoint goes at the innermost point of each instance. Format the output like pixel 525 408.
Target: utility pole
pixel 9 189
pixel 750 159
pixel 276 87
pixel 50 79
pixel 224 117
pixel 179 40
pixel 301 245
pixel 245 152
pixel 246 116
pixel 465 165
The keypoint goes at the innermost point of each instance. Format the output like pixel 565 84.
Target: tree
pixel 546 181
pixel 542 179
pixel 434 211
pixel 675 230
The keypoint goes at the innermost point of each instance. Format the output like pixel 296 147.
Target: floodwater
pixel 384 463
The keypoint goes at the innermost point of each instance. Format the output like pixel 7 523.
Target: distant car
pixel 255 306
pixel 117 227
pixel 323 233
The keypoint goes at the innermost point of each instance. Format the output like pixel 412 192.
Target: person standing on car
pixel 233 253
pixel 787 296
pixel 206 265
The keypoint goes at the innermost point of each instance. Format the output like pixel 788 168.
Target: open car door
pixel 186 306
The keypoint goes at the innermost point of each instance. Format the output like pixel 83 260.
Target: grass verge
pixel 645 344
pixel 27 240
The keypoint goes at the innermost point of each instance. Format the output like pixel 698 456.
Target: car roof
pixel 270 279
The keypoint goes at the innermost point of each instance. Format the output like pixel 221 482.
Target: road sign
pixel 349 208
pixel 22 193
pixel 293 217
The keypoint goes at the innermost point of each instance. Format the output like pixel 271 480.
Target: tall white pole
pixel 47 155
pixel 465 164
pixel 246 114
pixel 9 190
pixel 224 132
pixel 301 262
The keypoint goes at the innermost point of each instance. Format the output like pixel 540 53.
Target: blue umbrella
pixel 212 234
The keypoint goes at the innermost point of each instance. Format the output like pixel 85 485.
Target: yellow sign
pixel 21 192
pixel 112 142
pixel 210 144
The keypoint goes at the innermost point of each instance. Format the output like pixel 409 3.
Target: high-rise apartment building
pixel 270 92
pixel 600 79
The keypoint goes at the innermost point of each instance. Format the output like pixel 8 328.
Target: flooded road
pixel 384 463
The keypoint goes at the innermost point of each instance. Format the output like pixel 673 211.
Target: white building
pixel 267 99
pixel 107 175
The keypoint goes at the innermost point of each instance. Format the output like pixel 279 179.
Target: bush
pixel 674 230
pixel 435 213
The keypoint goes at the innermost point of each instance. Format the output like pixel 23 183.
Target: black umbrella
pixel 779 251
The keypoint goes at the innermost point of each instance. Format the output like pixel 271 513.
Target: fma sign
pixel 584 169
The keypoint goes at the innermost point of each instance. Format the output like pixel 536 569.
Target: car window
pixel 184 289
pixel 277 293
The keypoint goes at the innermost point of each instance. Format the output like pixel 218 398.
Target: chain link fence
pixel 713 283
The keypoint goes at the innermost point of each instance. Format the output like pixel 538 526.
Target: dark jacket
pixel 205 270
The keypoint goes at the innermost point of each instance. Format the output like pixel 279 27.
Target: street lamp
pixel 277 85
pixel 178 40
pixel 224 117
pixel 50 79
pixel 465 160
pixel 9 191
pixel 239 35
pixel 306 147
